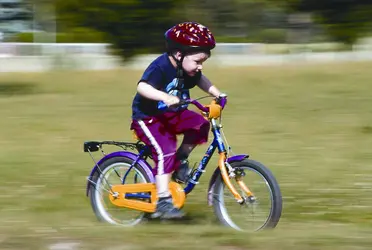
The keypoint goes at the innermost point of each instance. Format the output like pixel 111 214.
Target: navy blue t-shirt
pixel 161 75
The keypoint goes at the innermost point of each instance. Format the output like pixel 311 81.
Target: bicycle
pixel 124 180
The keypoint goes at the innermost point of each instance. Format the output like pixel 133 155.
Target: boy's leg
pixel 195 129
pixel 163 145
pixel 183 170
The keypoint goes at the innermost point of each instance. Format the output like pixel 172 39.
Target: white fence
pixel 39 49
pixel 103 49
pixel 25 57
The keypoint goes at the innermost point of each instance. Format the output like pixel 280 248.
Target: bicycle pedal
pixel 180 181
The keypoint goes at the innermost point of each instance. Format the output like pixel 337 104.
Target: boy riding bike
pixel 156 117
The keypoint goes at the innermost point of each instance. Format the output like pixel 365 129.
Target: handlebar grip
pixel 222 100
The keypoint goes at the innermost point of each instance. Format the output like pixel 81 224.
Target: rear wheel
pixel 263 210
pixel 113 171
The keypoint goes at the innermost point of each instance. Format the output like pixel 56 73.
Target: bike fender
pixel 217 172
pixel 125 154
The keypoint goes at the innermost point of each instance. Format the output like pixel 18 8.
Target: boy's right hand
pixel 171 100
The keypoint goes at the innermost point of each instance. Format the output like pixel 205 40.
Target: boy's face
pixel 193 63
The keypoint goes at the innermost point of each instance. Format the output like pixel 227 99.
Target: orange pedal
pixel 120 191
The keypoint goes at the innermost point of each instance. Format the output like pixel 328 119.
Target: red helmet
pixel 190 36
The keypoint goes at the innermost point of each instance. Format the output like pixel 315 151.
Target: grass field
pixel 312 125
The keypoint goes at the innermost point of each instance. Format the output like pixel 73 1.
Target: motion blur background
pixel 298 77
pixel 88 33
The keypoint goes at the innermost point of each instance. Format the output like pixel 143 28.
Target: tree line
pixel 137 26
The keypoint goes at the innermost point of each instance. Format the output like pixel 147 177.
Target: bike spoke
pixel 251 215
pixel 118 174
pixel 108 211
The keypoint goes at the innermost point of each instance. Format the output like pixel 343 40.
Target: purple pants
pixel 160 133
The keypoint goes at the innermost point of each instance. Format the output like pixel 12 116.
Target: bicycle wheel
pixel 113 170
pixel 263 210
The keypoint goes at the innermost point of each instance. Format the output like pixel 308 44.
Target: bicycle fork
pixel 226 178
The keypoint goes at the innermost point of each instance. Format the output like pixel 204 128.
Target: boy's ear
pixel 178 55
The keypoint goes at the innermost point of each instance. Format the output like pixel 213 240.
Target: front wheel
pixel 262 210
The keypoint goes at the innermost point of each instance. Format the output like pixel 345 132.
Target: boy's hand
pixel 222 100
pixel 171 100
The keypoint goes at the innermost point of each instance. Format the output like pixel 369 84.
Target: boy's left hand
pixel 222 100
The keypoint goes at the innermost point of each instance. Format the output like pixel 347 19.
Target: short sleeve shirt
pixel 161 75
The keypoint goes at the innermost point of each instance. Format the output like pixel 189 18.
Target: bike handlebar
pixel 195 103
pixel 220 101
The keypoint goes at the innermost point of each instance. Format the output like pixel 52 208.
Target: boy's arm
pixel 148 91
pixel 208 87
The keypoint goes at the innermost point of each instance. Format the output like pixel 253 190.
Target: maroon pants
pixel 160 133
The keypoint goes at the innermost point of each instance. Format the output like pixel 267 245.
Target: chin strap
pixel 180 72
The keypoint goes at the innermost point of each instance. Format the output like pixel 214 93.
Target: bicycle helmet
pixel 189 37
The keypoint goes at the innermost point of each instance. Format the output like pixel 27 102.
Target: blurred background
pixel 66 30
pixel 298 77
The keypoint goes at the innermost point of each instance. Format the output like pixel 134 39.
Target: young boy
pixel 156 117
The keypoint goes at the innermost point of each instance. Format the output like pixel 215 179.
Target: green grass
pixel 312 125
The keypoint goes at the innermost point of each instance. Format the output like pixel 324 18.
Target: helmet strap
pixel 180 71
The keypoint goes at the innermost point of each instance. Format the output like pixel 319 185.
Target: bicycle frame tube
pixel 133 164
pixel 217 143
pixel 201 168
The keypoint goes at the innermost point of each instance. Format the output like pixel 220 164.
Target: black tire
pixel 98 179
pixel 276 197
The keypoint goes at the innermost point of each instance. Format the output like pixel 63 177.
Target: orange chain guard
pixel 119 200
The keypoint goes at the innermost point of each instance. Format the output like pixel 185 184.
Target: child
pixel 157 119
